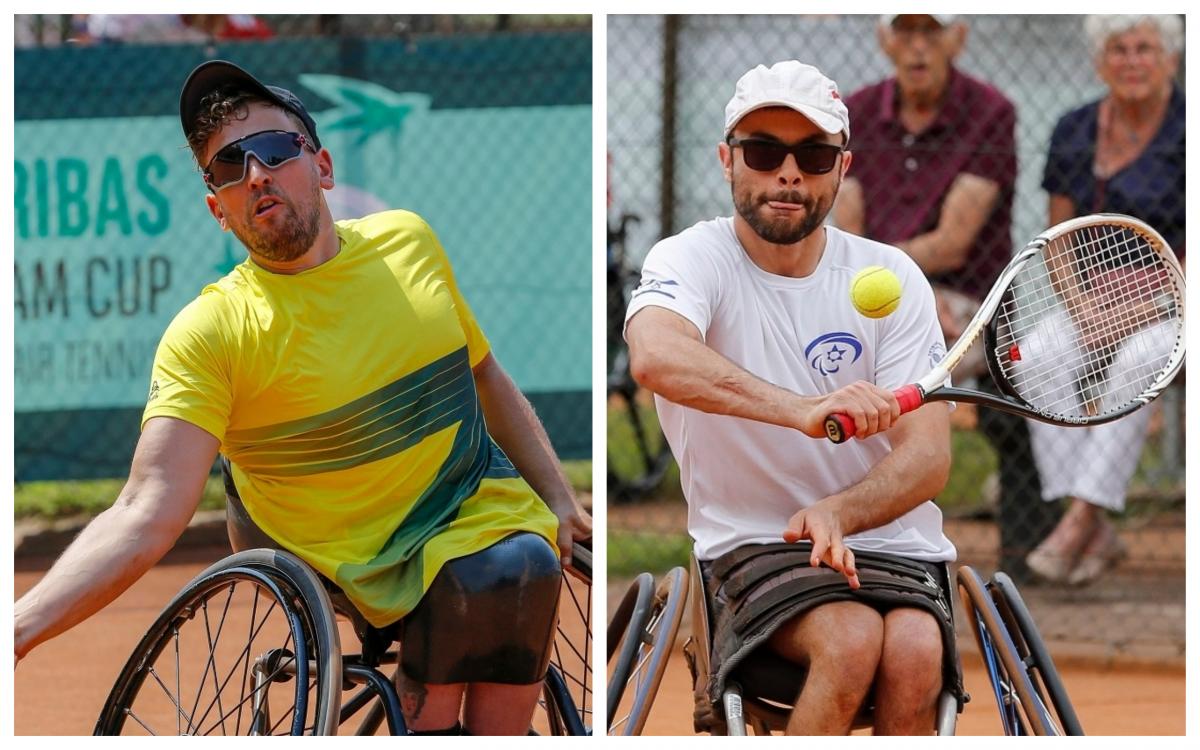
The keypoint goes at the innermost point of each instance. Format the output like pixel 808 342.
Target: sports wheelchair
pixel 761 691
pixel 252 646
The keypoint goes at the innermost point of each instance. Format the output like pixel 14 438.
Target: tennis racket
pixel 1084 326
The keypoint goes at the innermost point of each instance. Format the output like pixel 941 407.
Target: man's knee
pixel 842 641
pixel 913 652
pixel 487 617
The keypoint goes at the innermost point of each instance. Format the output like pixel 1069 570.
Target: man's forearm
pixel 698 377
pixel 935 253
pixel 107 557
pixel 968 204
pixel 515 427
pixel 916 470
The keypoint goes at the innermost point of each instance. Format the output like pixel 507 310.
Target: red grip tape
pixel 909 397
pixel 839 428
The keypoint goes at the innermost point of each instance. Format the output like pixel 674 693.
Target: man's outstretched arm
pixel 166 481
pixel 668 356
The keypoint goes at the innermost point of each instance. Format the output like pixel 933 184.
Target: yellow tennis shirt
pixel 344 399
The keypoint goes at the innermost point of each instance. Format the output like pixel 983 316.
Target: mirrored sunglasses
pixel 270 147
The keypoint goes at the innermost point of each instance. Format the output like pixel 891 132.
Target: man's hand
pixel 820 525
pixel 872 408
pixel 574 524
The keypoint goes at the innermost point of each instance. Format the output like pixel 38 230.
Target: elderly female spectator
pixel 1123 154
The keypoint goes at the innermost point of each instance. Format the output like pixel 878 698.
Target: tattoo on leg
pixel 412 697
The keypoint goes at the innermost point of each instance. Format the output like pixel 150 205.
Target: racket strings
pixel 1089 329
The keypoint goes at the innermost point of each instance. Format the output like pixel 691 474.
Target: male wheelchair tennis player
pixel 252 644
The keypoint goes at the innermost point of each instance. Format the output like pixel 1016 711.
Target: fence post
pixel 670 77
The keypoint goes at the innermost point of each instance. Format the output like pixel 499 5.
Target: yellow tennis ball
pixel 875 292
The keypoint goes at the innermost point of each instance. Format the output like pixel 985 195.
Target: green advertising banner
pixel 113 238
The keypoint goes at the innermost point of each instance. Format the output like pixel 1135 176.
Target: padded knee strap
pixel 487 617
pixel 760 587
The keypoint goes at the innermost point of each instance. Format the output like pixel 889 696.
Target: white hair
pixel 1101 28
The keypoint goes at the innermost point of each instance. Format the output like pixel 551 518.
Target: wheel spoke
pixel 279 669
pixel 178 689
pixel 179 712
pixel 209 663
pixel 130 714
pixel 244 655
pixel 212 651
pixel 246 667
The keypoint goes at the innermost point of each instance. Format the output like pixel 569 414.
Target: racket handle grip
pixel 839 428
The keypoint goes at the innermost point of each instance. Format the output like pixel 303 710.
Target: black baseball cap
pixel 209 76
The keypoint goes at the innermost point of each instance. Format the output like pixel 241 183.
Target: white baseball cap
pixel 945 19
pixel 794 85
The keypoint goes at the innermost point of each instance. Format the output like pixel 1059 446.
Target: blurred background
pixel 669 79
pixel 481 124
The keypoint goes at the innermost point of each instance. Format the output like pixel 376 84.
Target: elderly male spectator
pixel 934 176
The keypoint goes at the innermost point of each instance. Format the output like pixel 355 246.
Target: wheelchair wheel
pixel 566 704
pixel 250 646
pixel 652 644
pixel 1033 652
pixel 1022 711
pixel 631 616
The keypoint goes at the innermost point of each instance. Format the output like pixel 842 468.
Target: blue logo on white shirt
pixel 655 286
pixel 828 353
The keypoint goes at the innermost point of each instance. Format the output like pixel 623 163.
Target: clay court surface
pixel 61 686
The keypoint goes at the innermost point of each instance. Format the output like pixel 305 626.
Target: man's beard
pixel 290 240
pixel 782 231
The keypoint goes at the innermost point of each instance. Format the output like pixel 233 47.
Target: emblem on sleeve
pixel 153 391
pixel 936 352
pixel 655 286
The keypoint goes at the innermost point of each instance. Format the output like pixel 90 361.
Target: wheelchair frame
pixel 310 657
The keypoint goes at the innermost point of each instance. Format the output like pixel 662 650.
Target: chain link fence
pixel 668 81
pixel 480 124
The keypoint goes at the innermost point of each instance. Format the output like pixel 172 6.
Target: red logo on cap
pixel 835 94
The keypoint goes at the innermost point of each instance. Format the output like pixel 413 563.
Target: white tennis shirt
pixel 743 479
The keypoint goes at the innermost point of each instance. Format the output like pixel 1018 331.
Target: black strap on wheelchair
pixel 763 586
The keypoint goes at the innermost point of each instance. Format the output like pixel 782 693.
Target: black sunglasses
pixel 762 155
pixel 271 147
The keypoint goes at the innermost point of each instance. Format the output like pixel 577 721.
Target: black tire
pixel 653 643
pixel 1033 652
pixel 1021 710
pixel 291 637
pixel 565 708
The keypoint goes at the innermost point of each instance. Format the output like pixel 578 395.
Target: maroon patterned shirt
pixel 905 177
